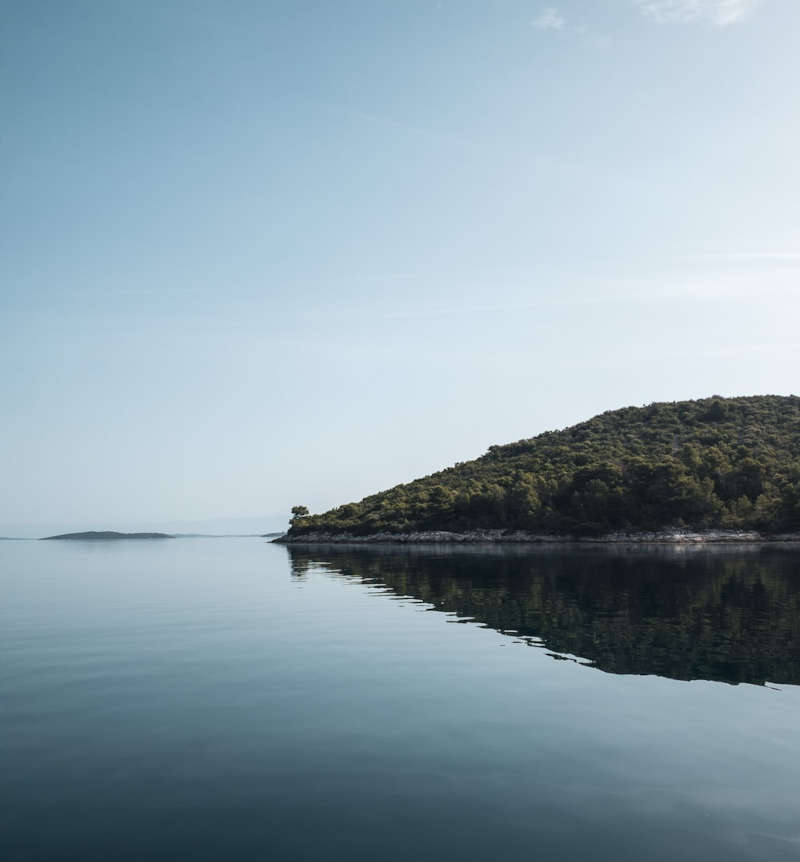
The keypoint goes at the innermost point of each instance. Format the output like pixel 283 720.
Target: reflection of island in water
pixel 732 616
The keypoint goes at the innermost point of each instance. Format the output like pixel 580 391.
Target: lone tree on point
pixel 298 513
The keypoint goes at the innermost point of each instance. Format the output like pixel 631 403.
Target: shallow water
pixel 231 699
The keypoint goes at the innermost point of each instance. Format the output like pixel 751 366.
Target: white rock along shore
pixel 667 536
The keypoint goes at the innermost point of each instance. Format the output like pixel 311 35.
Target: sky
pixel 260 254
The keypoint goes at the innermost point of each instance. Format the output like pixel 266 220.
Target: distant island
pixel 106 535
pixel 715 469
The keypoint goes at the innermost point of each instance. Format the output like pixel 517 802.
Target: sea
pixel 232 699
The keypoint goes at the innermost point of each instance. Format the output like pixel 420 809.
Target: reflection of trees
pixel 733 617
pixel 300 566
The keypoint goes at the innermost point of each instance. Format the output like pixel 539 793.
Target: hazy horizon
pixel 274 254
pixel 245 526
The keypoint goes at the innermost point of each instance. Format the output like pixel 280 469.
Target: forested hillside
pixel 714 463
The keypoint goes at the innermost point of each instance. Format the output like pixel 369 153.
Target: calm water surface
pixel 230 699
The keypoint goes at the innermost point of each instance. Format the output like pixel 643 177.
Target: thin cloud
pixel 746 256
pixel 549 19
pixel 720 13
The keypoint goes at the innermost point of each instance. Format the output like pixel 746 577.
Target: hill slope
pixel 729 463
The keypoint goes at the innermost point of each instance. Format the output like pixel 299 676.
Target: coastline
pixel 497 537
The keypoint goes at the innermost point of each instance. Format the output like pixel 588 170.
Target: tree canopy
pixel 731 463
pixel 298 514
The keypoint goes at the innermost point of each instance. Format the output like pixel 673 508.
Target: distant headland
pixel 107 535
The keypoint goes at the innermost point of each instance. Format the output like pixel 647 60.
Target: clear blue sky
pixel 260 254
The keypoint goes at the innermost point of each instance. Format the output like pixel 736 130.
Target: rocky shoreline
pixel 665 537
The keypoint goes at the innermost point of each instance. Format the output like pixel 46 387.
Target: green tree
pixel 298 514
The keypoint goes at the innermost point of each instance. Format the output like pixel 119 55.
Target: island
pixel 107 535
pixel 709 470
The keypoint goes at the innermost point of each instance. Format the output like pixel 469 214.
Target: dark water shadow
pixel 728 614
